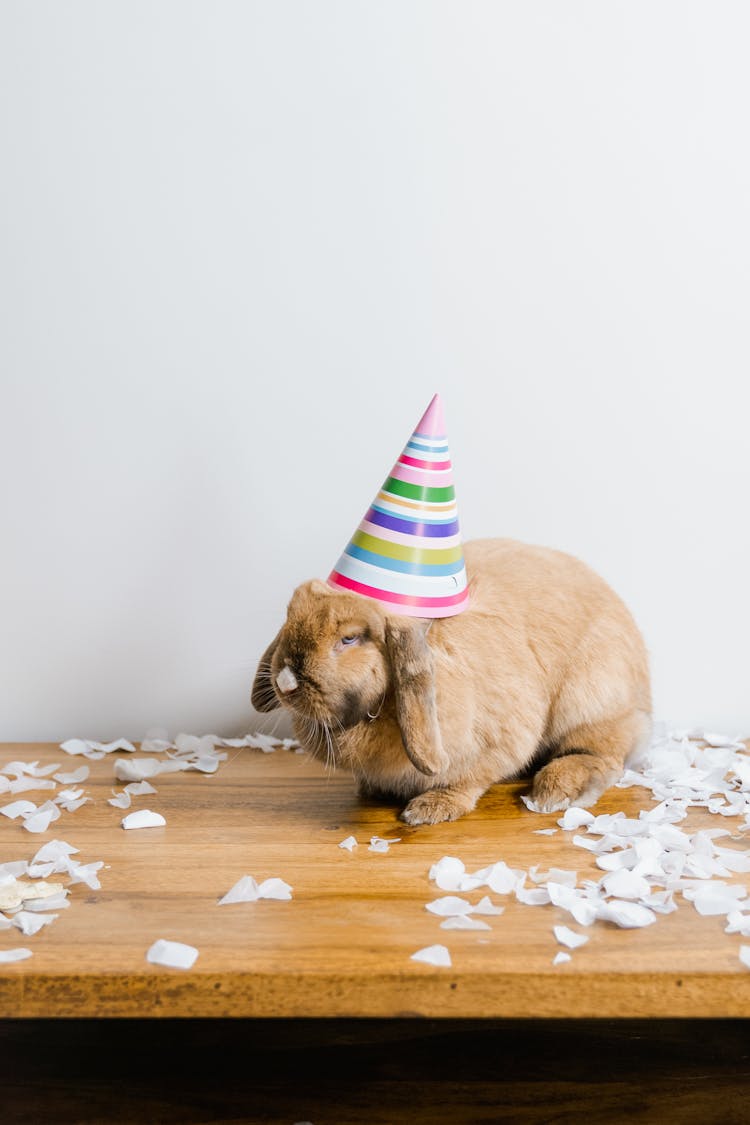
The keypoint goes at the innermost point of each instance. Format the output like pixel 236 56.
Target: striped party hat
pixel 406 552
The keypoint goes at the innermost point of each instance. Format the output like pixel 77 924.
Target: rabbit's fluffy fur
pixel 546 669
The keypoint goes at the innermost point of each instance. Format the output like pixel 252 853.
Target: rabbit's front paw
pixel 437 805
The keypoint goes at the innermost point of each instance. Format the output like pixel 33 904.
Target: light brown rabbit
pixel 546 668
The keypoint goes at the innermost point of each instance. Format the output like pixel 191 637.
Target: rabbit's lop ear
pixel 263 696
pixel 414 688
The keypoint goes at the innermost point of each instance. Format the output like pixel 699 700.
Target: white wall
pixel 243 243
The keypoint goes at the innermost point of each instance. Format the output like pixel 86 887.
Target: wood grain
pixel 342 946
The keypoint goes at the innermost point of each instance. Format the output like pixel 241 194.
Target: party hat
pixel 406 552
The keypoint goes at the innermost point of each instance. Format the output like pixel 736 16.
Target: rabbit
pixel 545 670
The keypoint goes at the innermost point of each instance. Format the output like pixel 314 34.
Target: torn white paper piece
pixel 275 889
pixel 545 831
pixel 139 788
pixel 502 879
pixel 244 890
pixel 382 844
pixel 8 955
pixel 554 875
pixel 463 922
pixel 81 873
pixel 59 901
pixel 575 818
pixel 13 892
pixel 625 884
pixel 28 769
pixel 738 923
pixel 561 958
pixel 486 906
pixel 53 850
pixel 533 896
pixel 173 954
pixel 349 843
pixel 136 769
pixel 715 897
pixel 569 898
pixel 448 906
pixel 247 890
pixel 569 937
pixel 71 804
pixel 29 922
pixel 24 784
pixel 448 873
pixel 42 818
pixel 120 801
pixel 75 746
pixel 18 808
pixel 627 915
pixel 14 867
pixel 143 818
pixel 75 777
pixel 433 955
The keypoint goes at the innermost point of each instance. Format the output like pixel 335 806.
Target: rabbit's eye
pixel 351 640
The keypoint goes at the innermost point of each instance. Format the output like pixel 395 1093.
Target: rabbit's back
pixel 545 646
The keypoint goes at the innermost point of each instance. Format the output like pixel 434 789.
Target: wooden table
pixel 342 946
pixel 501 1036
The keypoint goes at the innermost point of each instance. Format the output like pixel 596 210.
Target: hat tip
pixel 432 422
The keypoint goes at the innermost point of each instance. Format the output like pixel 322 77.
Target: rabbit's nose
pixel 286 680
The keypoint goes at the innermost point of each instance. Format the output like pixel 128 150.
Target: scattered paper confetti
pixel 19 954
pixel 139 788
pixel 244 890
pixel 136 769
pixel 121 801
pixel 275 889
pixel 433 955
pixel 561 958
pixel 448 873
pixel 574 817
pixel 143 818
pixel 569 937
pixel 449 905
pixel 349 843
pixel 53 850
pixel 172 954
pixel 29 922
pixel 463 922
pixel 59 901
pixel 745 955
pixel 15 891
pixel 42 818
pixel 487 906
pixel 18 808
pixel 381 844
pixel 247 890
pixel 627 915
pixel 80 873
pixel 75 777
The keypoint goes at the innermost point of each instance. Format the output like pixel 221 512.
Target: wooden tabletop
pixel 342 945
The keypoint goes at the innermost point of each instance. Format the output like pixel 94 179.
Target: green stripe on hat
pixel 419 491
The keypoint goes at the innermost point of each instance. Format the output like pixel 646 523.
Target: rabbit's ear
pixel 414 688
pixel 263 696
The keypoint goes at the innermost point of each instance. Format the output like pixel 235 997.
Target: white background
pixel 242 245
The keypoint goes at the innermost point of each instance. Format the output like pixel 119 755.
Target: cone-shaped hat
pixel 406 552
